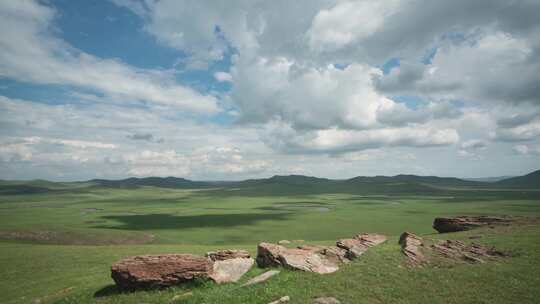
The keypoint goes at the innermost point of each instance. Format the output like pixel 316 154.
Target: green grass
pixel 58 246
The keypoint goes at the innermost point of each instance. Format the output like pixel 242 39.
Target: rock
pixel 462 223
pixel 284 242
pixel 268 254
pixel 327 300
pixel 261 278
pixel 335 254
pixel 149 271
pixel 354 247
pixel 306 260
pixel 222 255
pixel 472 253
pixel 181 296
pixel 284 299
pixel 371 239
pixel 410 246
pixel 230 270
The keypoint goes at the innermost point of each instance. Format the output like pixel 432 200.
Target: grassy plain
pixel 57 246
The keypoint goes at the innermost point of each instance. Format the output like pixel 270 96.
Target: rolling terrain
pixel 58 240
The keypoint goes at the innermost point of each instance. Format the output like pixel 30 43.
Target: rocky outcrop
pixel 371 239
pixel 471 253
pixel 261 278
pixel 462 223
pixel 303 258
pixel 354 247
pixel 150 271
pixel 222 255
pixel 411 246
pixel 268 254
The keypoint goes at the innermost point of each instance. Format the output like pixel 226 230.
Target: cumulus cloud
pixel 222 76
pixel 527 150
pixel 30 52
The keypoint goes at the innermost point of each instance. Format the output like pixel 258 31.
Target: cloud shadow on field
pixel 167 221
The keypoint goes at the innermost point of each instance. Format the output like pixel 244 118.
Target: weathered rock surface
pixel 284 299
pixel 268 254
pixel 371 239
pixel 149 271
pixel 261 278
pixel 222 255
pixel 306 260
pixel 410 246
pixel 471 253
pixel 462 223
pixel 326 300
pixel 230 270
pixel 354 247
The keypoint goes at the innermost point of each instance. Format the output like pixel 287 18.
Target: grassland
pixel 57 245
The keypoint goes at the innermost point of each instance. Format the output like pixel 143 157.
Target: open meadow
pixel 58 244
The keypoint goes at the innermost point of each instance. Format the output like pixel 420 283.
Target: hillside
pixel 531 180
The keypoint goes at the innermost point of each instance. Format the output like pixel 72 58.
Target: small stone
pixel 182 296
pixel 284 299
pixel 261 278
pixel 284 242
pixel 222 255
pixel 326 300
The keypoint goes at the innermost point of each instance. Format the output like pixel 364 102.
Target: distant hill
pixel 161 182
pixel 286 184
pixel 487 179
pixel 531 180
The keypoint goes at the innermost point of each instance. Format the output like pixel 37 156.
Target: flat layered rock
pixel 463 223
pixel 471 253
pixel 371 239
pixel 410 246
pixel 222 255
pixel 150 271
pixel 230 270
pixel 354 247
pixel 306 260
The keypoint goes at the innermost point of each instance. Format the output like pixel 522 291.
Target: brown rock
pixel 268 254
pixel 410 246
pixel 261 278
pixel 371 239
pixel 471 253
pixel 149 271
pixel 462 223
pixel 354 247
pixel 222 255
pixel 306 260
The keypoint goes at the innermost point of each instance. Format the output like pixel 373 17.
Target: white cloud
pixel 348 22
pixel 474 144
pixel 30 52
pixel 527 150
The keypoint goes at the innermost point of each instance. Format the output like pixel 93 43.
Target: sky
pixel 230 90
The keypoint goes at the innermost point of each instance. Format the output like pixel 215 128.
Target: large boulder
pixel 410 246
pixel 462 223
pixel 150 271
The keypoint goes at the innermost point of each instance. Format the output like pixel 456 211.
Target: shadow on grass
pixel 113 290
pixel 167 221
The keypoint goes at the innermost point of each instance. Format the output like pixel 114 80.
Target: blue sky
pixel 213 90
